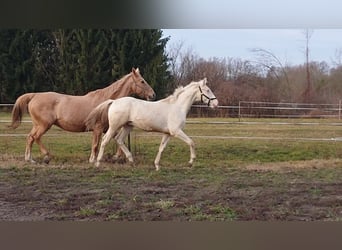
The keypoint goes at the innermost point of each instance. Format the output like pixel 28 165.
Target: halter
pixel 202 94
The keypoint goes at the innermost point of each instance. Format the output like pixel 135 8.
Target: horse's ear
pixel 204 81
pixel 135 71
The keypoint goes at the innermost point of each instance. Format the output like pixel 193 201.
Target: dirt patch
pixel 275 191
pixel 289 166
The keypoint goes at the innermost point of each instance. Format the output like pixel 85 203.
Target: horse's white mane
pixel 179 91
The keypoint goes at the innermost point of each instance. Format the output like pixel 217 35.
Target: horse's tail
pixel 98 117
pixel 19 108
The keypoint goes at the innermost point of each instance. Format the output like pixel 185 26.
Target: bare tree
pixel 270 61
pixel 308 90
pixel 182 63
pixel 175 54
pixel 337 61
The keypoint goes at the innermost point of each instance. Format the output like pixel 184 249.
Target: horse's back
pixel 61 102
pixel 147 115
pixel 65 111
pixel 121 105
pixel 136 106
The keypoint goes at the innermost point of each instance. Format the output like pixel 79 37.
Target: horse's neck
pixel 116 90
pixel 187 98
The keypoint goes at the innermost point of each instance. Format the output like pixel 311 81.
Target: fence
pixel 259 110
pixel 270 110
pixel 5 107
pixel 289 110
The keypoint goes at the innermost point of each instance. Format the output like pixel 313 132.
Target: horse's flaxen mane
pixel 112 90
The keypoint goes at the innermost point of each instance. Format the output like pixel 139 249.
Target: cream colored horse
pixel 166 116
pixel 69 112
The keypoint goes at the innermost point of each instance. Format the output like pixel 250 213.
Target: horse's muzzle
pixel 151 97
pixel 213 104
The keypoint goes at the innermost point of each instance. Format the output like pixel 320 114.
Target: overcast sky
pixel 287 44
pixel 251 13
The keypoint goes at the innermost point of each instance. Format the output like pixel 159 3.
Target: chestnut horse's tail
pixel 98 117
pixel 19 108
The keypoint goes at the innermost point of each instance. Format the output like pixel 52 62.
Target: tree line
pixel 76 61
pixel 265 79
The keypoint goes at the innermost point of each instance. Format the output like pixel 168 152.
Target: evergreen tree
pixel 6 37
pixel 76 61
pixel 17 63
pixel 45 60
pixel 143 49
pixel 84 64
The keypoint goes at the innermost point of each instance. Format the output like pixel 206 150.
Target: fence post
pixel 239 110
pixel 339 110
pixel 129 141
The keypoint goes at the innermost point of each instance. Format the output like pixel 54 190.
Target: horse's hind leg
pixel 181 135
pixel 120 155
pixel 43 150
pixel 35 136
pixel 162 146
pixel 29 142
pixel 105 139
pixel 95 144
pixel 120 140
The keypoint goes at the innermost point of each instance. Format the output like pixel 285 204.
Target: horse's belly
pixel 71 126
pixel 150 126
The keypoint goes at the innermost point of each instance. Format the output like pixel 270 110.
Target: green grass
pixel 284 144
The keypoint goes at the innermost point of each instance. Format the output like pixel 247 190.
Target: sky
pixel 251 13
pixel 286 44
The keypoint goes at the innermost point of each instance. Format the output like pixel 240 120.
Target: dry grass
pixel 293 165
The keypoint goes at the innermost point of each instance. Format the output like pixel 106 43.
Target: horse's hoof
pixel 120 160
pixel 97 164
pixel 46 159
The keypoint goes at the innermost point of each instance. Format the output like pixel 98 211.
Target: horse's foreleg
pixel 181 135
pixel 119 153
pixel 162 146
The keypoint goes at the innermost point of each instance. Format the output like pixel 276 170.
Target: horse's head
pixel 207 95
pixel 141 87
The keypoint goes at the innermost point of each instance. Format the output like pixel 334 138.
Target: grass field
pixel 243 171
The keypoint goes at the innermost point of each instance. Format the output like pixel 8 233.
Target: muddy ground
pixel 298 191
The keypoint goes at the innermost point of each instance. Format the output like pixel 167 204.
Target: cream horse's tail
pixel 98 116
pixel 19 108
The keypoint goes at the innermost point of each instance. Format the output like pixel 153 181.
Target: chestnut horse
pixel 69 112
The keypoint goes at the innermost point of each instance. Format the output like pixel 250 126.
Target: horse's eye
pixel 142 81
